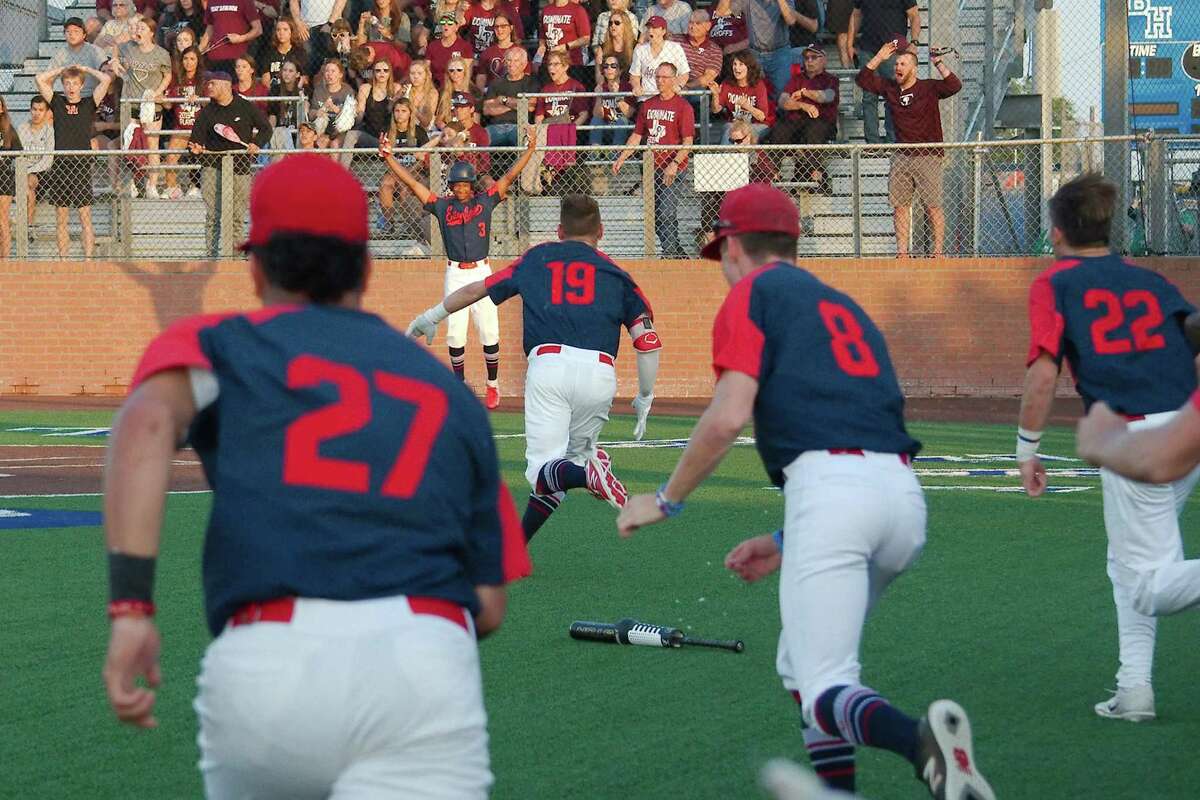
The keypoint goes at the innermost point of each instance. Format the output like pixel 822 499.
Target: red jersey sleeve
pixel 176 347
pixel 1195 399
pixel 737 340
pixel 1046 324
pixel 514 554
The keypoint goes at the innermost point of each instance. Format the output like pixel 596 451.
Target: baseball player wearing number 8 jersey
pixel 465 221
pixel 360 535
pixel 575 302
pixel 808 364
pixel 1120 328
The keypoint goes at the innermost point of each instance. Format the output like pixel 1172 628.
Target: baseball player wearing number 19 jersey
pixel 360 535
pixel 1120 328
pixel 465 221
pixel 575 301
pixel 813 370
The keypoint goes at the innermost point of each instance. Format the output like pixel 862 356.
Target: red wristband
pixel 130 608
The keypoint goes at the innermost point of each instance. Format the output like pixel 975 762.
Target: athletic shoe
pixel 602 483
pixel 945 759
pixel 192 192
pixel 1133 705
pixel 491 398
pixel 785 780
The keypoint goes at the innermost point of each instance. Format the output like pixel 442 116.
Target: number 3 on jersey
pixel 850 349
pixel 303 464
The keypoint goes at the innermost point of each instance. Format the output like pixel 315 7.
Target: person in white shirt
pixel 654 51
pixel 37 135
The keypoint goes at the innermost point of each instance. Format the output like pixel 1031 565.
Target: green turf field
pixel 1008 611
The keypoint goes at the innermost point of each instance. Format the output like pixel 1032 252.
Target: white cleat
pixel 1132 705
pixel 602 483
pixel 785 780
pixel 945 757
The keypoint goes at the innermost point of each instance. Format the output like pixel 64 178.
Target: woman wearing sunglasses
pixel 375 101
pixel 625 23
pixel 458 80
pixel 611 115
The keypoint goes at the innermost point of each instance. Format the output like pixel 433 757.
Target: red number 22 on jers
pixel 303 464
pixel 1114 316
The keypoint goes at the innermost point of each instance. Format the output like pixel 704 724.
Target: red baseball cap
pixel 307 193
pixel 754 208
pixel 656 22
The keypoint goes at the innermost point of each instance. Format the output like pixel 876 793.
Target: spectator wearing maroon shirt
pixel 664 119
pixel 229 26
pixel 481 19
pixel 810 106
pixel 491 60
pixel 913 103
pixel 363 57
pixel 743 96
pixel 611 115
pixel 564 28
pixel 565 106
pixel 729 30
pixel 448 45
pixel 704 60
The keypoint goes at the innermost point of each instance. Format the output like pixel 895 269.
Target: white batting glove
pixel 426 323
pixel 641 404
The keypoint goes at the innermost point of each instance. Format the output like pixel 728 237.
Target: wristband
pixel 130 608
pixel 130 578
pixel 778 537
pixel 437 313
pixel 1027 444
pixel 668 508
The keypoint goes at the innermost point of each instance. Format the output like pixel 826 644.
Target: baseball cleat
pixel 945 758
pixel 491 398
pixel 602 483
pixel 784 780
pixel 1132 705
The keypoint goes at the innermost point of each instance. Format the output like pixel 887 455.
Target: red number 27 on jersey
pixel 303 464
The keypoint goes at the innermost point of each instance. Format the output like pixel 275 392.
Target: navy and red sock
pixel 860 716
pixel 832 757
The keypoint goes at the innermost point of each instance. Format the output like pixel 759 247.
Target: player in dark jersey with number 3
pixel 575 301
pixel 360 535
pixel 808 364
pixel 1120 327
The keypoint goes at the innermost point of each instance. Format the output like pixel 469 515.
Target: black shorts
pixel 837 15
pixel 69 182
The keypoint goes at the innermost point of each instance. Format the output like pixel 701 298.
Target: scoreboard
pixel 1164 65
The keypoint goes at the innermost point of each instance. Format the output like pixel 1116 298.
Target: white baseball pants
pixel 483 313
pixel 568 393
pixel 1145 560
pixel 852 523
pixel 359 699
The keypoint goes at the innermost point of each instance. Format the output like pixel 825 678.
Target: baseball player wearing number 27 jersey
pixel 360 535
pixel 1120 328
pixel 575 301
pixel 813 370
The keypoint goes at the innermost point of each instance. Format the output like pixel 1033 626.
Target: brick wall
pixel 953 327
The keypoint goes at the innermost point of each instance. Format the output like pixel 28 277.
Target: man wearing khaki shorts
pixel 913 102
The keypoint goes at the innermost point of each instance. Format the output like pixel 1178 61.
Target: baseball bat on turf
pixel 630 631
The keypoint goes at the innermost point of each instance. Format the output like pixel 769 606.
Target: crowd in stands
pixel 451 73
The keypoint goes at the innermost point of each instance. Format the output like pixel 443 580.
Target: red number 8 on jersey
pixel 850 350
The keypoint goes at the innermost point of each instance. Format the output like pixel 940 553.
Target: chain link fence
pixel 72 204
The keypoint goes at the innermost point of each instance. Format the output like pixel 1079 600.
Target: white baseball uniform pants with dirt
pixel 852 523
pixel 359 699
pixel 483 313
pixel 1145 560
pixel 568 394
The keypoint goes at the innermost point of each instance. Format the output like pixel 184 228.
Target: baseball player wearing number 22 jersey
pixel 1120 327
pixel 575 302
pixel 360 535
pixel 814 372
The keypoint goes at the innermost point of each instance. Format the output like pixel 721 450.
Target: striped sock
pixel 540 507
pixel 832 757
pixel 491 358
pixel 458 362
pixel 860 716
pixel 559 475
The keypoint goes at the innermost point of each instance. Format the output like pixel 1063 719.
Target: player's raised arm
pixel 427 321
pixel 419 190
pixel 507 178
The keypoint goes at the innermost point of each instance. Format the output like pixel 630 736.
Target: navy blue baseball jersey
pixel 1120 327
pixel 466 227
pixel 825 379
pixel 346 462
pixel 572 294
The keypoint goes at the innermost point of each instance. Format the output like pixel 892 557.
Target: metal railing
pixel 993 196
pixel 703 121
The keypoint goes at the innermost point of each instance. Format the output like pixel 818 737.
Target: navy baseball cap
pixel 280 204
pixel 217 75
pixel 754 208
pixel 75 21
